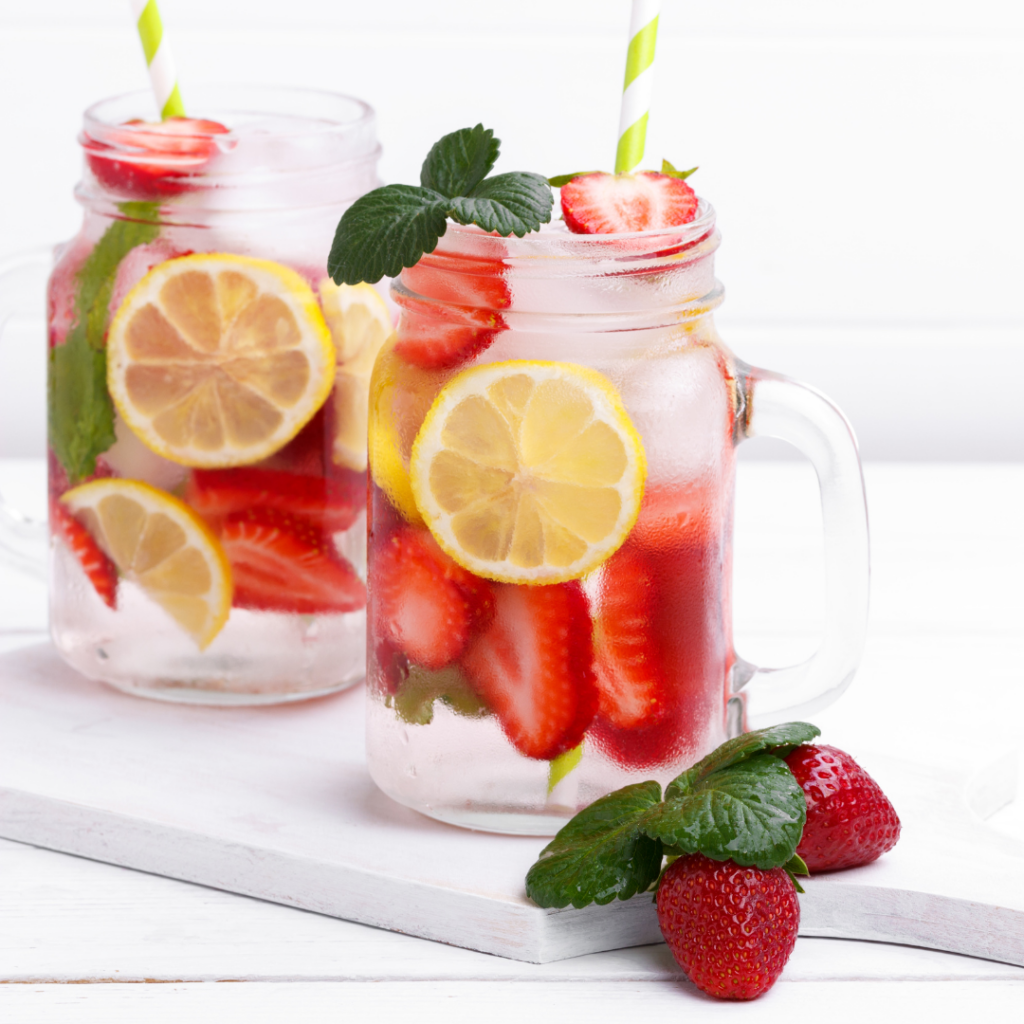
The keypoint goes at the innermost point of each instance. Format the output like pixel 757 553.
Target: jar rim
pixel 314 112
pixel 556 241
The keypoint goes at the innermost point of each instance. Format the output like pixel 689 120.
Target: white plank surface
pixel 67 919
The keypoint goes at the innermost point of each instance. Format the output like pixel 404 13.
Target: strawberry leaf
pixel 458 162
pixel 384 231
pixel 601 854
pixel 667 168
pixel 752 812
pixel 510 204
pixel 779 740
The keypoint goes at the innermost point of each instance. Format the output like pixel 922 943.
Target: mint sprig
pixel 393 226
pixel 739 803
pixel 80 413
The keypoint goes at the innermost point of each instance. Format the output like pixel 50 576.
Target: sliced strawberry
pixel 281 563
pixel 328 505
pixel 689 638
pixel 98 567
pixel 150 160
pixel 462 314
pixel 534 667
pixel 601 204
pixel 424 603
pixel 459 281
pixel 631 676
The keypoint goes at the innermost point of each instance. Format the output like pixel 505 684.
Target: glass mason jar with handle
pixel 207 400
pixel 552 453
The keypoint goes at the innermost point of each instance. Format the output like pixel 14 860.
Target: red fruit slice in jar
pixel 533 667
pixel 425 604
pixel 153 159
pixel 631 678
pixel 469 295
pixel 281 563
pixel 598 204
pixel 98 567
pixel 329 505
pixel 689 640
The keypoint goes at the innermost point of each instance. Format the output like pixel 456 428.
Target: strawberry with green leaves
pixel 731 827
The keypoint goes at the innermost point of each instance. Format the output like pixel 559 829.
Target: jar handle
pixel 782 408
pixel 23 540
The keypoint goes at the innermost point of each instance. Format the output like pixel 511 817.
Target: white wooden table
pixel 942 679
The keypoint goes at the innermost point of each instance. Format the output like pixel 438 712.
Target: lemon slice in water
pixel 219 360
pixel 160 544
pixel 528 472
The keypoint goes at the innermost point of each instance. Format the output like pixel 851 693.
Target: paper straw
pixel 162 75
pixel 638 86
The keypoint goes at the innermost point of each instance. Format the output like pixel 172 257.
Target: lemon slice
pixel 360 324
pixel 400 398
pixel 160 544
pixel 219 360
pixel 528 472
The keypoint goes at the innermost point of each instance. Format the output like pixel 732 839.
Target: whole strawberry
pixel 850 821
pixel 730 928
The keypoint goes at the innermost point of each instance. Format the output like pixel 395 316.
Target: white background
pixel 865 159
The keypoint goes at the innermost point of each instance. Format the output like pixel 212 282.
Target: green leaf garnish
pixel 563 179
pixel 752 813
pixel 779 740
pixel 457 163
pixel 393 226
pixel 601 854
pixel 80 413
pixel 667 168
pixel 739 803
pixel 510 204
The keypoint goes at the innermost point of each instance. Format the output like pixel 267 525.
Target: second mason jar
pixel 207 400
pixel 552 434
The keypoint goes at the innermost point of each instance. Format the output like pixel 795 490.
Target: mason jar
pixel 207 463
pixel 552 434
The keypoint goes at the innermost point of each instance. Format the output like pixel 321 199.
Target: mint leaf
pixel 392 227
pixel 384 231
pixel 752 813
pixel 667 168
pixel 779 740
pixel 80 413
pixel 511 204
pixel 563 179
pixel 414 700
pixel 601 854
pixel 458 162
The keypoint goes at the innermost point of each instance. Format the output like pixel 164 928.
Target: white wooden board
pixel 276 803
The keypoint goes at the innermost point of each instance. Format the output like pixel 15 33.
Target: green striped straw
pixel 162 75
pixel 638 86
